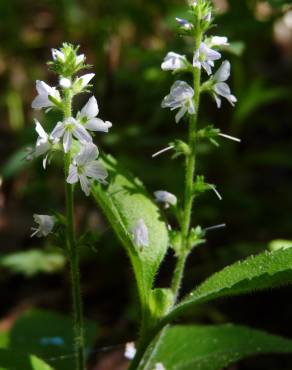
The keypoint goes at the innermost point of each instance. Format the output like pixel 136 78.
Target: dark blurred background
pixel 125 41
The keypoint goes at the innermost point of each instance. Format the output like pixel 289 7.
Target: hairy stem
pixel 72 249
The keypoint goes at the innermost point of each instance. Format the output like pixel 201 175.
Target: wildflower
pixel 181 96
pixel 58 55
pixel 159 366
pixel 173 62
pixel 140 234
pixel 88 118
pixel 45 225
pixel 186 25
pixel 44 143
pixel 66 83
pixel 130 350
pixel 44 93
pixel 204 57
pixel 83 81
pixel 218 41
pixel 221 88
pixel 85 168
pixel 165 197
pixel 69 128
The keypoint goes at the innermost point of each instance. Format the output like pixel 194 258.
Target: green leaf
pixel 11 360
pixel 214 347
pixel 266 270
pixel 49 335
pixel 125 201
pixel 277 244
pixel 33 262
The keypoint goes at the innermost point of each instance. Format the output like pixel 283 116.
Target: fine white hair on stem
pixel 215 227
pixel 230 137
pixel 162 151
pixel 216 192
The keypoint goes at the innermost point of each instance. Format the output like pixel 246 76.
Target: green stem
pixel 145 342
pixel 73 254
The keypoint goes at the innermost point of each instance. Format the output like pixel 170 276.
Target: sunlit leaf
pixel 12 360
pixel 214 347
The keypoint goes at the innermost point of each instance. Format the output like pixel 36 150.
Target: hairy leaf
pixel 214 347
pixel 11 360
pixel 124 202
pixel 266 270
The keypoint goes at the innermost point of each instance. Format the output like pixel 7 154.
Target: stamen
pixel 230 137
pixel 220 226
pixel 216 192
pixel 162 151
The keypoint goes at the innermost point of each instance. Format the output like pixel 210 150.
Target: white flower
pixel 140 234
pixel 69 128
pixel 84 80
pixel 44 143
pixel 44 92
pixel 65 82
pixel 165 197
pixel 186 25
pixel 181 96
pixel 85 168
pixel 173 62
pixel 218 41
pixel 88 114
pixel 204 57
pixel 45 225
pixel 58 55
pixel 80 58
pixel 159 366
pixel 220 87
pixel 130 350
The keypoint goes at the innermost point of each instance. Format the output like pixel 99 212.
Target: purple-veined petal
pixel 81 134
pixel 95 170
pixel 88 153
pixel 67 140
pixel 72 175
pixel 58 131
pixel 85 184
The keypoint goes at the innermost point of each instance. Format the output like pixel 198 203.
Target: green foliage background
pixel 125 41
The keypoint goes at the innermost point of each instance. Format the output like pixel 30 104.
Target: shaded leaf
pixel 49 336
pixel 33 262
pixel 11 360
pixel 214 347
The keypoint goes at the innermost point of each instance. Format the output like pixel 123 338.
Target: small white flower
pixel 140 234
pixel 44 143
pixel 181 96
pixel 186 25
pixel 204 57
pixel 58 55
pixel 159 366
pixel 66 83
pixel 130 350
pixel 84 80
pixel 80 58
pixel 88 118
pixel 165 197
pixel 69 128
pixel 220 87
pixel 173 62
pixel 44 92
pixel 218 41
pixel 85 168
pixel 45 225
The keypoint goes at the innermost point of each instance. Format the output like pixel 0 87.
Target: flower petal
pixel 85 184
pixel 90 109
pixel 223 72
pixel 96 124
pixel 67 140
pixel 58 130
pixel 95 170
pixel 86 79
pixel 73 174
pixel 81 134
pixel 88 153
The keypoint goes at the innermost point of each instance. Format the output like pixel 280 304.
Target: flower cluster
pixel 73 135
pixel 181 94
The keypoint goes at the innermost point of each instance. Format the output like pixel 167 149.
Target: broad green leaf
pixel 125 201
pixel 49 336
pixel 33 262
pixel 214 347
pixel 12 360
pixel 266 270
